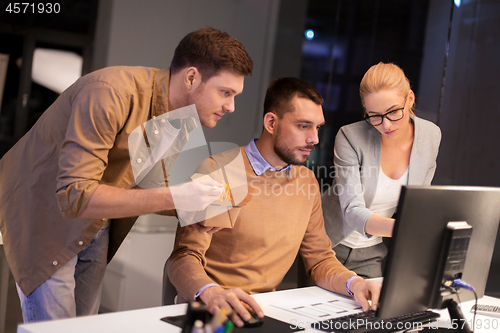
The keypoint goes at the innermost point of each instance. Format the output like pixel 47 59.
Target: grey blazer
pixel 346 204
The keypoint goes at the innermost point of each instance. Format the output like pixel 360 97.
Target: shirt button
pixel 139 160
pixel 54 263
pixel 156 132
pixel 80 243
pixel 162 120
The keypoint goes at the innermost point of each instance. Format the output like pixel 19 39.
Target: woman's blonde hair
pixel 384 76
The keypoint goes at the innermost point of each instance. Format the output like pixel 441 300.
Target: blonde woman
pixel 373 159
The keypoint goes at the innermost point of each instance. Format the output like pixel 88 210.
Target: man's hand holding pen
pixel 196 195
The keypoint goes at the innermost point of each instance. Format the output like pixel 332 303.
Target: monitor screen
pixel 422 216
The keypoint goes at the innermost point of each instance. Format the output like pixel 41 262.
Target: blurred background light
pixel 309 34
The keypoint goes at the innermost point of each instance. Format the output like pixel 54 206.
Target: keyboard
pixel 486 310
pixel 366 322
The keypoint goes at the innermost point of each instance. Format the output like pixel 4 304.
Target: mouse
pixel 254 321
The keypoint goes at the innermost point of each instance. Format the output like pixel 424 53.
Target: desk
pixel 148 320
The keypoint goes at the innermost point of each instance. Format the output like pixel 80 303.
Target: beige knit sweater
pixel 280 217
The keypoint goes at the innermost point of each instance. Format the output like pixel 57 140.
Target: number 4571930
pixel 33 8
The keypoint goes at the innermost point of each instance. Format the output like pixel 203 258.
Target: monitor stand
pixel 458 323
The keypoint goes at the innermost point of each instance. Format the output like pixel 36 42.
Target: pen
pixel 228 327
pixel 198 327
pixel 218 318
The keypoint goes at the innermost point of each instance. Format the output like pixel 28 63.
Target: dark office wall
pixel 145 33
pixel 287 56
pixel 466 105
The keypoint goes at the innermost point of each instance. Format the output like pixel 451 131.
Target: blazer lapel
pixel 370 177
pixel 417 168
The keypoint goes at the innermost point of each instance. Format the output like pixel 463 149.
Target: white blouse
pixel 384 204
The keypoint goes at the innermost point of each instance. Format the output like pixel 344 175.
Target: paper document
pixel 322 308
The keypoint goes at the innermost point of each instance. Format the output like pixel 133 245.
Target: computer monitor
pixel 422 216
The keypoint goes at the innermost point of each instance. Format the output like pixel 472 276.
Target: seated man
pixel 280 217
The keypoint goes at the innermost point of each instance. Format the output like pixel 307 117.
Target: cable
pixel 462 284
pixel 475 310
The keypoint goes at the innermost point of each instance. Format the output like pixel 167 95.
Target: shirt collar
pixel 258 163
pixel 159 104
pixel 161 83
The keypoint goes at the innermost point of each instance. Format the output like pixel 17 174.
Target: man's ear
pixel 192 77
pixel 270 121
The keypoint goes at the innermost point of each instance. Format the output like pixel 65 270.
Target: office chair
pixel 168 293
pixel 303 280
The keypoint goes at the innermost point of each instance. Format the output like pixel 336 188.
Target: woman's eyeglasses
pixel 393 115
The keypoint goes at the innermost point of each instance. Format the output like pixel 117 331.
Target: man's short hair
pixel 281 91
pixel 211 51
